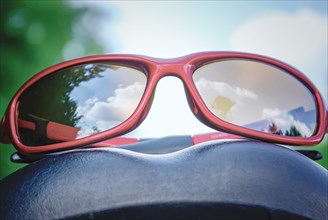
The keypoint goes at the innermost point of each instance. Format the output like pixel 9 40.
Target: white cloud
pixel 296 38
pixel 111 112
pixel 212 89
pixel 127 97
pixel 303 129
pixel 299 39
pixel 241 100
pixel 268 113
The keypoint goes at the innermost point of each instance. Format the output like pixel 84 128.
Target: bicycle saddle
pixel 215 180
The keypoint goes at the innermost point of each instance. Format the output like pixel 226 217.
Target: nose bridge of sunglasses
pixel 171 68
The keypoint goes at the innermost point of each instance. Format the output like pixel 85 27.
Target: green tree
pixel 33 35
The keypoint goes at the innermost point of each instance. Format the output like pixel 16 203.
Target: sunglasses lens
pixel 258 96
pixel 78 102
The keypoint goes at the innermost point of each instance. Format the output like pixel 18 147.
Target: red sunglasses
pixel 91 101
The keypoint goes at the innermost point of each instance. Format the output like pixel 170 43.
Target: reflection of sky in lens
pixel 104 86
pixel 95 87
pixel 108 99
pixel 245 92
pixel 292 31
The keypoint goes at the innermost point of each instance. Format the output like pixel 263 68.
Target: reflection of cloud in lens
pixel 213 92
pixel 212 89
pixel 302 128
pixel 268 113
pixel 101 115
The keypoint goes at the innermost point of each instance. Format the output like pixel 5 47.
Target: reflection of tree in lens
pixel 50 98
pixel 273 129
pixel 293 131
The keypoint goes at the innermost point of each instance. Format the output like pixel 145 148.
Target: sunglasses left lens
pixel 258 96
pixel 78 102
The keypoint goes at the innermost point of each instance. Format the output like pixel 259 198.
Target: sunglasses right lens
pixel 78 102
pixel 257 95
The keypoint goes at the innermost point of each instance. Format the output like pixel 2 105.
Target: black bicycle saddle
pixel 215 180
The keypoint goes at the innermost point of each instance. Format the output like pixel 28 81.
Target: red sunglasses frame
pixel 155 69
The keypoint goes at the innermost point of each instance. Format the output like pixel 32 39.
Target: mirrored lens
pixel 258 96
pixel 78 102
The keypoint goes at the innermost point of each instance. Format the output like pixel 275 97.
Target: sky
pixel 294 32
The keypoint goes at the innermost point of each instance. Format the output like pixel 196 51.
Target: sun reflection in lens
pixel 226 101
pixel 221 106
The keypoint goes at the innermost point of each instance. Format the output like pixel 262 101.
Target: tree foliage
pixel 33 37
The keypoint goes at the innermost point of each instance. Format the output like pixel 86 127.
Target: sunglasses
pixel 91 101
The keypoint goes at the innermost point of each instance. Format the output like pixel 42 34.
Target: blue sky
pixel 292 31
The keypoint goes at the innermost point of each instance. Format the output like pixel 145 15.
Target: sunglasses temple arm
pixel 59 132
pixel 200 138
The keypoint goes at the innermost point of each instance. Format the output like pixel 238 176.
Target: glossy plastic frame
pixel 155 69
